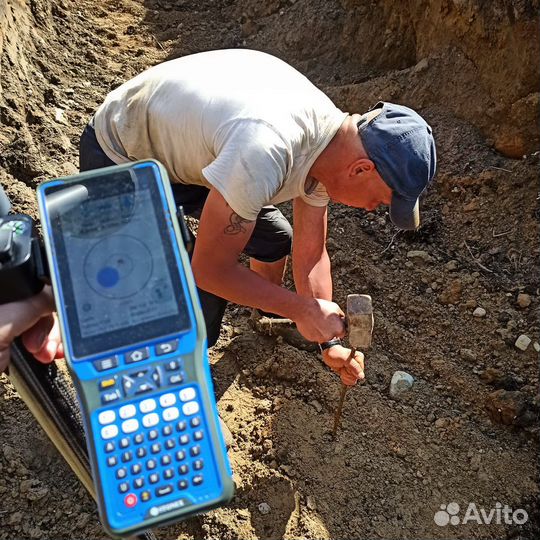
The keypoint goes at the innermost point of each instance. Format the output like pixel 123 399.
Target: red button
pixel 131 500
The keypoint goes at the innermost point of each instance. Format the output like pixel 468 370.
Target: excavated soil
pixel 467 432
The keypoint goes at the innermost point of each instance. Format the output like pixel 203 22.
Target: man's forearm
pixel 313 278
pixel 242 286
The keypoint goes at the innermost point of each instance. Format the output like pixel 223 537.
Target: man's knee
pixel 272 237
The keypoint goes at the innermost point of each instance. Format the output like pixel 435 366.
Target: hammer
pixel 360 326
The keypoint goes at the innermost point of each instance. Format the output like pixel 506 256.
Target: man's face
pixel 374 191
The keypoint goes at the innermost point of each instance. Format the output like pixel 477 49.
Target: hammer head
pixel 360 320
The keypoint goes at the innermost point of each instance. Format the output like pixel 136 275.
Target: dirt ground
pixel 467 431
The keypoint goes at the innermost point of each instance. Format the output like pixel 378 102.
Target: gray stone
pixel 316 405
pixel 59 115
pixel 523 342
pixel 479 312
pixel 26 485
pixel 401 382
pixel 37 493
pixel 467 355
pixel 310 502
pixel 264 508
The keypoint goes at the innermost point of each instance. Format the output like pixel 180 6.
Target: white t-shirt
pixel 241 121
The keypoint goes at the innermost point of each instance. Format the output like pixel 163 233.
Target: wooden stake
pixel 342 394
pixel 337 416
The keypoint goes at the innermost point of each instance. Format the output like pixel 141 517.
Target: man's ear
pixel 360 166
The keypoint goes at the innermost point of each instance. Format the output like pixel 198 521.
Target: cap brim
pixel 404 213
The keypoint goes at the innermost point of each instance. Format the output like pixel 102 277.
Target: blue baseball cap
pixel 400 143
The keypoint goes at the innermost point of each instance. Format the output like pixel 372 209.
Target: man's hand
pixel 321 320
pixel 34 320
pixel 336 358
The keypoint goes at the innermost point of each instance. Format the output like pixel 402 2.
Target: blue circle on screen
pixel 108 277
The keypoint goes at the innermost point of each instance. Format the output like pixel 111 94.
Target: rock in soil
pixel 522 342
pixel 401 382
pixel 264 508
pixel 524 300
pixel 507 407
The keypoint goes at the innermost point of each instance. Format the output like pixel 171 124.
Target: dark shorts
pixel 271 239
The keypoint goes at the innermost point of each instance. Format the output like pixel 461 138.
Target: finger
pixel 357 374
pixel 347 378
pixel 35 338
pixel 359 357
pixel 60 351
pixel 355 367
pixel 47 353
pixel 24 314
pixel 44 356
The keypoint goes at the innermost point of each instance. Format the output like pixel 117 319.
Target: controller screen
pixel 115 260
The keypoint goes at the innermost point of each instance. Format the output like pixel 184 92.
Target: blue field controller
pixel 135 342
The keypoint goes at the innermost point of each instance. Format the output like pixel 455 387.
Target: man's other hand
pixel 33 319
pixel 350 371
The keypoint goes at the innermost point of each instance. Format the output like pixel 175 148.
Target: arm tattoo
pixel 236 224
